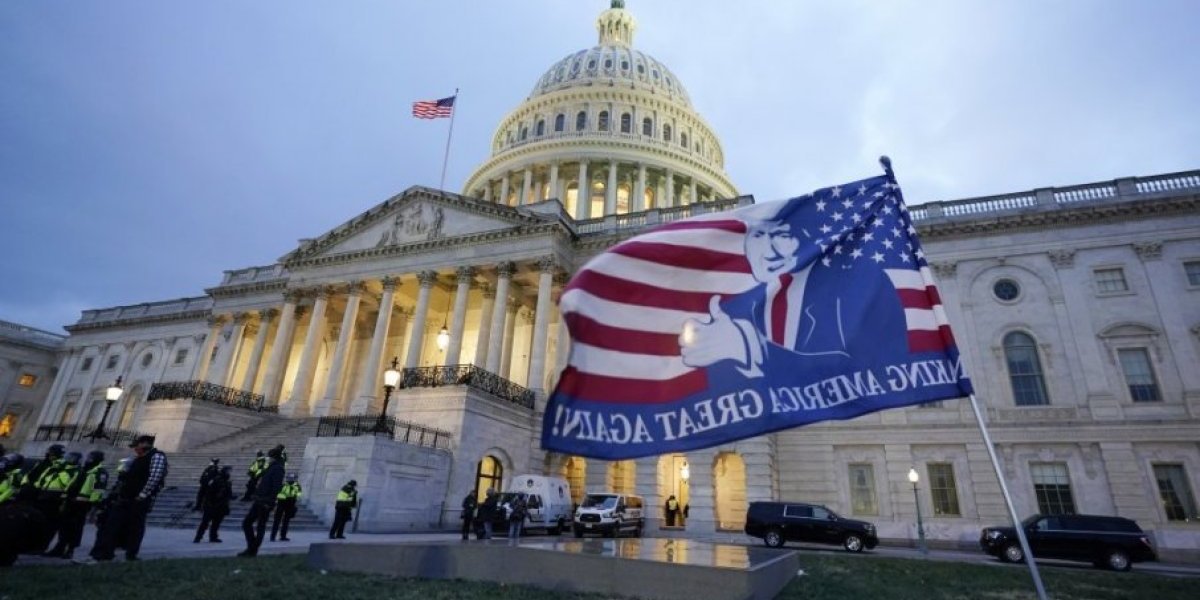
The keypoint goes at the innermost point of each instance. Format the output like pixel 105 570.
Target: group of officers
pixel 54 496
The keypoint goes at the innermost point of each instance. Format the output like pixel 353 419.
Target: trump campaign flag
pixel 730 325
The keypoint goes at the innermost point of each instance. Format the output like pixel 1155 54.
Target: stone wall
pixel 178 425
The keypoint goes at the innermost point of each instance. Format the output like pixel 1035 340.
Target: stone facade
pixel 28 368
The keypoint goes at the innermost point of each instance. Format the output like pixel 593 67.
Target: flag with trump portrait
pixel 731 325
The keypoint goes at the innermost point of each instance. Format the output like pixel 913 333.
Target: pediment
pixel 413 216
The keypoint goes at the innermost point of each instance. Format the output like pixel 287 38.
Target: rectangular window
pixel 1111 280
pixel 87 364
pixel 180 356
pixel 1139 376
pixel 27 380
pixel 8 424
pixel 1177 500
pixel 112 362
pixel 943 490
pixel 1192 269
pixel 1052 486
pixel 862 490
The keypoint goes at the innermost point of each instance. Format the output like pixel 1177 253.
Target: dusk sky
pixel 145 147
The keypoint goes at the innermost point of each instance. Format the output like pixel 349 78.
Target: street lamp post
pixel 913 477
pixel 111 395
pixel 391 378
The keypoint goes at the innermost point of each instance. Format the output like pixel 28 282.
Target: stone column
pixel 669 195
pixel 554 193
pixel 260 343
pixel 562 346
pixel 649 488
pixel 236 338
pixel 610 189
pixel 702 515
pixel 297 404
pixel 466 276
pixel 367 383
pixel 692 191
pixel 541 325
pixel 485 325
pixel 277 362
pixel 583 199
pixel 427 279
pixel 504 272
pixel 215 324
pixel 525 187
pixel 487 191
pixel 57 389
pixel 354 292
pixel 510 327
pixel 639 190
pixel 504 189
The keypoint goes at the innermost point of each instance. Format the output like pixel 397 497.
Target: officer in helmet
pixel 285 508
pixel 52 460
pixel 84 492
pixel 347 500
pixel 10 475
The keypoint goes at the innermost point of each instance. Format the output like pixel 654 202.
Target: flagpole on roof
pixel 987 441
pixel 446 156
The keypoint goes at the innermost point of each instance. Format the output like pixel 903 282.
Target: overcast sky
pixel 145 147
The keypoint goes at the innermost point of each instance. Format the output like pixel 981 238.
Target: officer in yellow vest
pixel 85 492
pixel 10 476
pixel 52 488
pixel 256 470
pixel 347 500
pixel 285 508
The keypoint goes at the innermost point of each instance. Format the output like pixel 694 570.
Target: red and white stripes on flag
pixel 626 308
pixel 924 315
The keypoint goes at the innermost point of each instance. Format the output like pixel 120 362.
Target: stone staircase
pixel 173 507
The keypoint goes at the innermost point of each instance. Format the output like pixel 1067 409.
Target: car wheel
pixel 1013 553
pixel 1117 560
pixel 853 543
pixel 773 538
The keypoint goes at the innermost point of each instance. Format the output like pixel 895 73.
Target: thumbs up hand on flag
pixel 704 344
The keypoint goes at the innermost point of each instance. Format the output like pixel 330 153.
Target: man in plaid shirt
pixel 126 522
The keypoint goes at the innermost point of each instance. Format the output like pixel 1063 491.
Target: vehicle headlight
pixel 994 535
pixel 608 514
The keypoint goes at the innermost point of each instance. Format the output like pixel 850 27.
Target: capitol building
pixel 1077 310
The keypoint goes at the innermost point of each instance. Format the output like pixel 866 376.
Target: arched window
pixel 1025 370
pixel 604 120
pixel 683 140
pixel 626 123
pixel 489 474
pixel 541 127
pixel 647 127
pixel 524 133
pixel 666 133
pixel 560 122
pixel 581 121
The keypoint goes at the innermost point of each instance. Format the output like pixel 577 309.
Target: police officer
pixel 52 459
pixel 52 488
pixel 347 500
pixel 216 505
pixel 125 522
pixel 257 467
pixel 10 475
pixel 85 491
pixel 285 508
pixel 254 526
pixel 206 478
pixel 469 503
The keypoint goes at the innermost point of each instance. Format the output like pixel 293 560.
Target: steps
pixel 173 506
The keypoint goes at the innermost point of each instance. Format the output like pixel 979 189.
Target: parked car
pixel 609 514
pixel 1106 542
pixel 780 522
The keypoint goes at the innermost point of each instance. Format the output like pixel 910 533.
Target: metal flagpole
pixel 987 441
pixel 1012 511
pixel 446 157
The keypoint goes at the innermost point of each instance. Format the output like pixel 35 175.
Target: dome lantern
pixel 616 25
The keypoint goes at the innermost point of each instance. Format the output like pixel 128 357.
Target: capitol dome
pixel 613 117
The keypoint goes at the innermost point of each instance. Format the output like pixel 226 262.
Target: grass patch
pixel 827 577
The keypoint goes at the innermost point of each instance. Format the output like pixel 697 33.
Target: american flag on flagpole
pixel 819 307
pixel 433 109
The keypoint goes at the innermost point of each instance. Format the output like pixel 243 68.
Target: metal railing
pixel 470 376
pixel 401 431
pixel 118 438
pixel 209 392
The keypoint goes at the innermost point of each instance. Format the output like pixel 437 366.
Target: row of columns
pixel 493 342
pixel 539 184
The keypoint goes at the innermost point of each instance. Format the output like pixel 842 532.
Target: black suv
pixel 779 522
pixel 1106 542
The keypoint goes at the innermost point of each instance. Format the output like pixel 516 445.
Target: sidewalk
pixel 177 543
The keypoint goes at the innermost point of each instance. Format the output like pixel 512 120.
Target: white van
pixel 610 514
pixel 547 501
